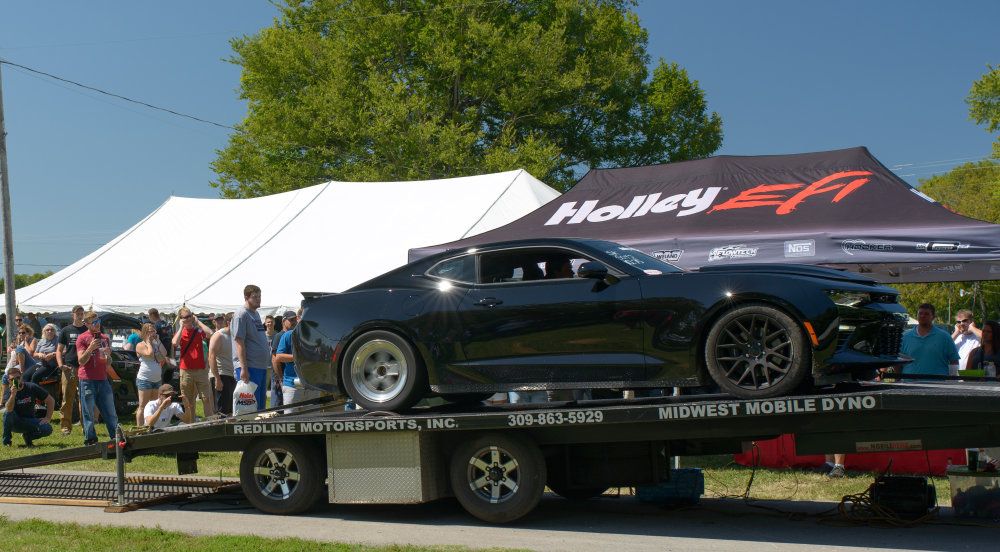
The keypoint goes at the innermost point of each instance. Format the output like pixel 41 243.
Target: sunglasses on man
pixel 965 321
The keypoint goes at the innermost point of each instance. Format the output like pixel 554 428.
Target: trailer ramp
pixel 69 489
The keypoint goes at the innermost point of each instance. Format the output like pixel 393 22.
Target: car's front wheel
pixel 382 372
pixel 757 351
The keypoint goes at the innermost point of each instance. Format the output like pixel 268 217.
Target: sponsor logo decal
pixel 853 246
pixel 695 201
pixel 784 197
pixel 941 246
pixel 935 268
pixel 741 251
pixel 669 254
pixel 800 248
pixel 764 194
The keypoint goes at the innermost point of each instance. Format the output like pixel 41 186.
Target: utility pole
pixel 8 242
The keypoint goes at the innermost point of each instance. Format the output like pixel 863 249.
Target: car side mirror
pixel 592 269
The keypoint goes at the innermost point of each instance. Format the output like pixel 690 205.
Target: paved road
pixel 607 524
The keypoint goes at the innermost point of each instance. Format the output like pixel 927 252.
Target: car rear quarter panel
pixel 425 317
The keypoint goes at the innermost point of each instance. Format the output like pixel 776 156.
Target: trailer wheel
pixel 281 476
pixel 381 372
pixel 757 351
pixel 498 477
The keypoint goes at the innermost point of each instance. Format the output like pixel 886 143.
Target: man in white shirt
pixel 966 335
pixel 161 412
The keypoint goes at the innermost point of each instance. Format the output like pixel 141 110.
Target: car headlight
pixel 849 298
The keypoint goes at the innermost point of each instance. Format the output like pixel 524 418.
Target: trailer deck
pixel 491 456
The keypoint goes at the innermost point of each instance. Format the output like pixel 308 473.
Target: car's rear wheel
pixel 757 351
pixel 382 372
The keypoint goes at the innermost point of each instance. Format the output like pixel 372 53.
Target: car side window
pixel 459 269
pixel 522 265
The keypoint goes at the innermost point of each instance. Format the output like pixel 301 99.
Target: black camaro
pixel 587 314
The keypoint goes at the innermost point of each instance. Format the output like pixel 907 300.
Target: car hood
pixel 801 270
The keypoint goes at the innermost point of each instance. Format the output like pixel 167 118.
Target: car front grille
pixel 890 338
pixel 874 338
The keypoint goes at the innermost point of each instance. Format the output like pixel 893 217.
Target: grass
pixel 210 464
pixel 31 535
pixel 723 477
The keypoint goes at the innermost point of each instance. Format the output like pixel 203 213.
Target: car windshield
pixel 637 259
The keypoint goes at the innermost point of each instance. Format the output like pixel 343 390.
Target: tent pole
pixel 8 243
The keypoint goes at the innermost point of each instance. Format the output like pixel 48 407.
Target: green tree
pixel 984 103
pixel 965 189
pixel 369 90
pixel 22 280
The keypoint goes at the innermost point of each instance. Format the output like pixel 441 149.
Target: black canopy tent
pixel 841 208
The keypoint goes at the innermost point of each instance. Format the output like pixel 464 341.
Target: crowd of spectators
pixel 209 361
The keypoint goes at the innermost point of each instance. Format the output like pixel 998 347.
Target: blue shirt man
pixel 932 349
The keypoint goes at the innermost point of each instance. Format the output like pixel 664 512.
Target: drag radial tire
pixel 498 477
pixel 281 475
pixel 756 351
pixel 381 372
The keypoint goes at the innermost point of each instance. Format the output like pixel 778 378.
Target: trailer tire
pixel 757 351
pixel 281 475
pixel 381 372
pixel 498 477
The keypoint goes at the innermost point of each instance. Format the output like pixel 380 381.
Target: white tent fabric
pixel 328 237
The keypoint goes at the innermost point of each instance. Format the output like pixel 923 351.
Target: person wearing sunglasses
pixel 22 350
pixel 46 365
pixel 93 350
pixel 191 340
pixel 967 336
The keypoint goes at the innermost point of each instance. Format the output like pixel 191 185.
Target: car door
pixel 520 327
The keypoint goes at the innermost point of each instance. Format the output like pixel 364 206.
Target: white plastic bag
pixel 244 398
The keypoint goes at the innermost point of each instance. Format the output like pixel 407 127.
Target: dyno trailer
pixel 497 460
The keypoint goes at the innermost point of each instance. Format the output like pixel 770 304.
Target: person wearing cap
pixel 285 365
pixel 160 412
pixel 68 362
pixel 190 340
pixel 20 416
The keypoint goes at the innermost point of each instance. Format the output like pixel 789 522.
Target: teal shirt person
pixel 932 353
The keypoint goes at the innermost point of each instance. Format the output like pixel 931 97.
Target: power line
pixel 227 127
pixel 119 96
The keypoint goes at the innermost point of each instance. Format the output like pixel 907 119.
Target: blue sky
pixel 786 77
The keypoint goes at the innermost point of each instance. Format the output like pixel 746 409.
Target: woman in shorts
pixel 151 358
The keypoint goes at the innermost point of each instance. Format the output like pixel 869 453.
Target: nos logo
pixel 800 248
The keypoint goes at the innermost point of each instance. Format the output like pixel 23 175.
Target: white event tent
pixel 327 237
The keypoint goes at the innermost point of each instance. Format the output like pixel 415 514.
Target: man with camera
pixel 166 407
pixel 21 416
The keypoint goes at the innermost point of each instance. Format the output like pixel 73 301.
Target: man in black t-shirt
pixel 66 357
pixel 163 330
pixel 21 416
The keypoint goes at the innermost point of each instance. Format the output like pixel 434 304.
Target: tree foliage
pixel 22 280
pixel 984 104
pixel 966 189
pixel 370 90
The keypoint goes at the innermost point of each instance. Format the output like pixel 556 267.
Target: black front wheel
pixel 281 475
pixel 757 351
